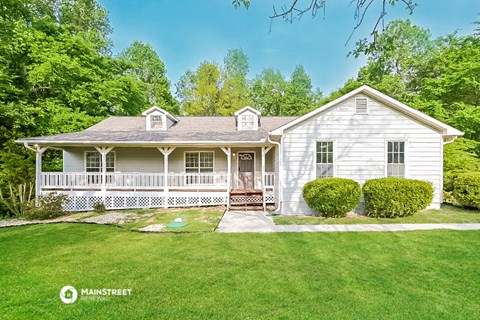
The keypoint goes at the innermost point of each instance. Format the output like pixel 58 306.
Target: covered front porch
pixel 162 176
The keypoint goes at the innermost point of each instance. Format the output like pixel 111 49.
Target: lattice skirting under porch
pixel 84 201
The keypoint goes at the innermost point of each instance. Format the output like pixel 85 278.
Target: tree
pixel 395 58
pixel 144 63
pixel 234 86
pixel 56 76
pixel 199 91
pixel 267 92
pixel 215 90
pixel 299 95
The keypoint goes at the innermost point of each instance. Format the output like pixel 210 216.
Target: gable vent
pixel 361 105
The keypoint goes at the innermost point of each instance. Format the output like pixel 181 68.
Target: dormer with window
pixel 247 119
pixel 158 119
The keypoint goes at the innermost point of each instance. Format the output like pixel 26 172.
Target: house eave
pixel 140 143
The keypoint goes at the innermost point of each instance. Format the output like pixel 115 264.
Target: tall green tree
pixel 234 85
pixel 267 92
pixel 199 91
pixel 395 57
pixel 299 95
pixel 144 63
pixel 56 76
pixel 213 89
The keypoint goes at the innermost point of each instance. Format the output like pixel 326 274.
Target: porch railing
pixel 133 180
pixel 197 180
pixel 269 179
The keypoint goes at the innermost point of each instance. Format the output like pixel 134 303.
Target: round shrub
pixel 332 197
pixel 396 197
pixel 466 189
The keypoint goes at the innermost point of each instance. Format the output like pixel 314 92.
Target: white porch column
pixel 103 152
pixel 38 171
pixel 228 152
pixel 264 152
pixel 165 151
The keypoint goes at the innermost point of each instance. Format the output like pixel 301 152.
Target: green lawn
pixel 403 275
pixel 448 214
pixel 197 219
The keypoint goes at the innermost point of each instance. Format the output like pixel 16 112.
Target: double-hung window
pixel 396 159
pixel 248 122
pixel 93 161
pixel 199 162
pixel 156 122
pixel 324 159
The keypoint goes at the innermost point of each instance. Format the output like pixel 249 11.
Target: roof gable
pixel 439 126
pixel 158 109
pixel 247 108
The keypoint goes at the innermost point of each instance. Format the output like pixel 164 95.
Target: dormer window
pixel 158 119
pixel 156 122
pixel 247 119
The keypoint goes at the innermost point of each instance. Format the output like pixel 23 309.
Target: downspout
pixel 280 169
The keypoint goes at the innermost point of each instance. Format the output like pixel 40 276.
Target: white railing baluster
pixel 135 180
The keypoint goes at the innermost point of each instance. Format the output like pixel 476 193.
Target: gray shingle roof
pixel 188 129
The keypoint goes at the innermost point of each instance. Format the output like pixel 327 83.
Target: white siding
pixel 359 149
pixel 127 159
pixel 176 160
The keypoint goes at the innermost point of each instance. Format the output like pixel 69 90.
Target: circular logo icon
pixel 68 294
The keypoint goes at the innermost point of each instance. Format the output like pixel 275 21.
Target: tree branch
pixel 295 11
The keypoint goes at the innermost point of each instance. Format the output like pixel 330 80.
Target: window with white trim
pixel 396 159
pixel 199 162
pixel 248 122
pixel 324 159
pixel 361 106
pixel 156 122
pixel 93 161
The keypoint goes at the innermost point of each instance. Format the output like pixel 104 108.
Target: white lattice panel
pixel 84 201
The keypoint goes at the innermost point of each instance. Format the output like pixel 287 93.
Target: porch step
pixel 248 199
pixel 246 208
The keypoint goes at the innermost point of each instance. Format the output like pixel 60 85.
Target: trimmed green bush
pixel 466 189
pixel 49 206
pixel 396 197
pixel 332 197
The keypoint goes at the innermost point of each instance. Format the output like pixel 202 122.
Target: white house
pixel 245 161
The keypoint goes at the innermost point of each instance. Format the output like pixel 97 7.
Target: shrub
pixel 99 207
pixel 466 189
pixel 332 197
pixel 49 206
pixel 396 197
pixel 18 200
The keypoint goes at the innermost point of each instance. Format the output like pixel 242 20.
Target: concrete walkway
pixel 257 221
pixel 246 221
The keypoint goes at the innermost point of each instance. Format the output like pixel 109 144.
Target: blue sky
pixel 185 33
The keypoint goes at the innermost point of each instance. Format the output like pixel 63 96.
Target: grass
pixel 448 214
pixel 204 219
pixel 197 219
pixel 403 275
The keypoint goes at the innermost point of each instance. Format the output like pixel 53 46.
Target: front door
pixel 246 161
